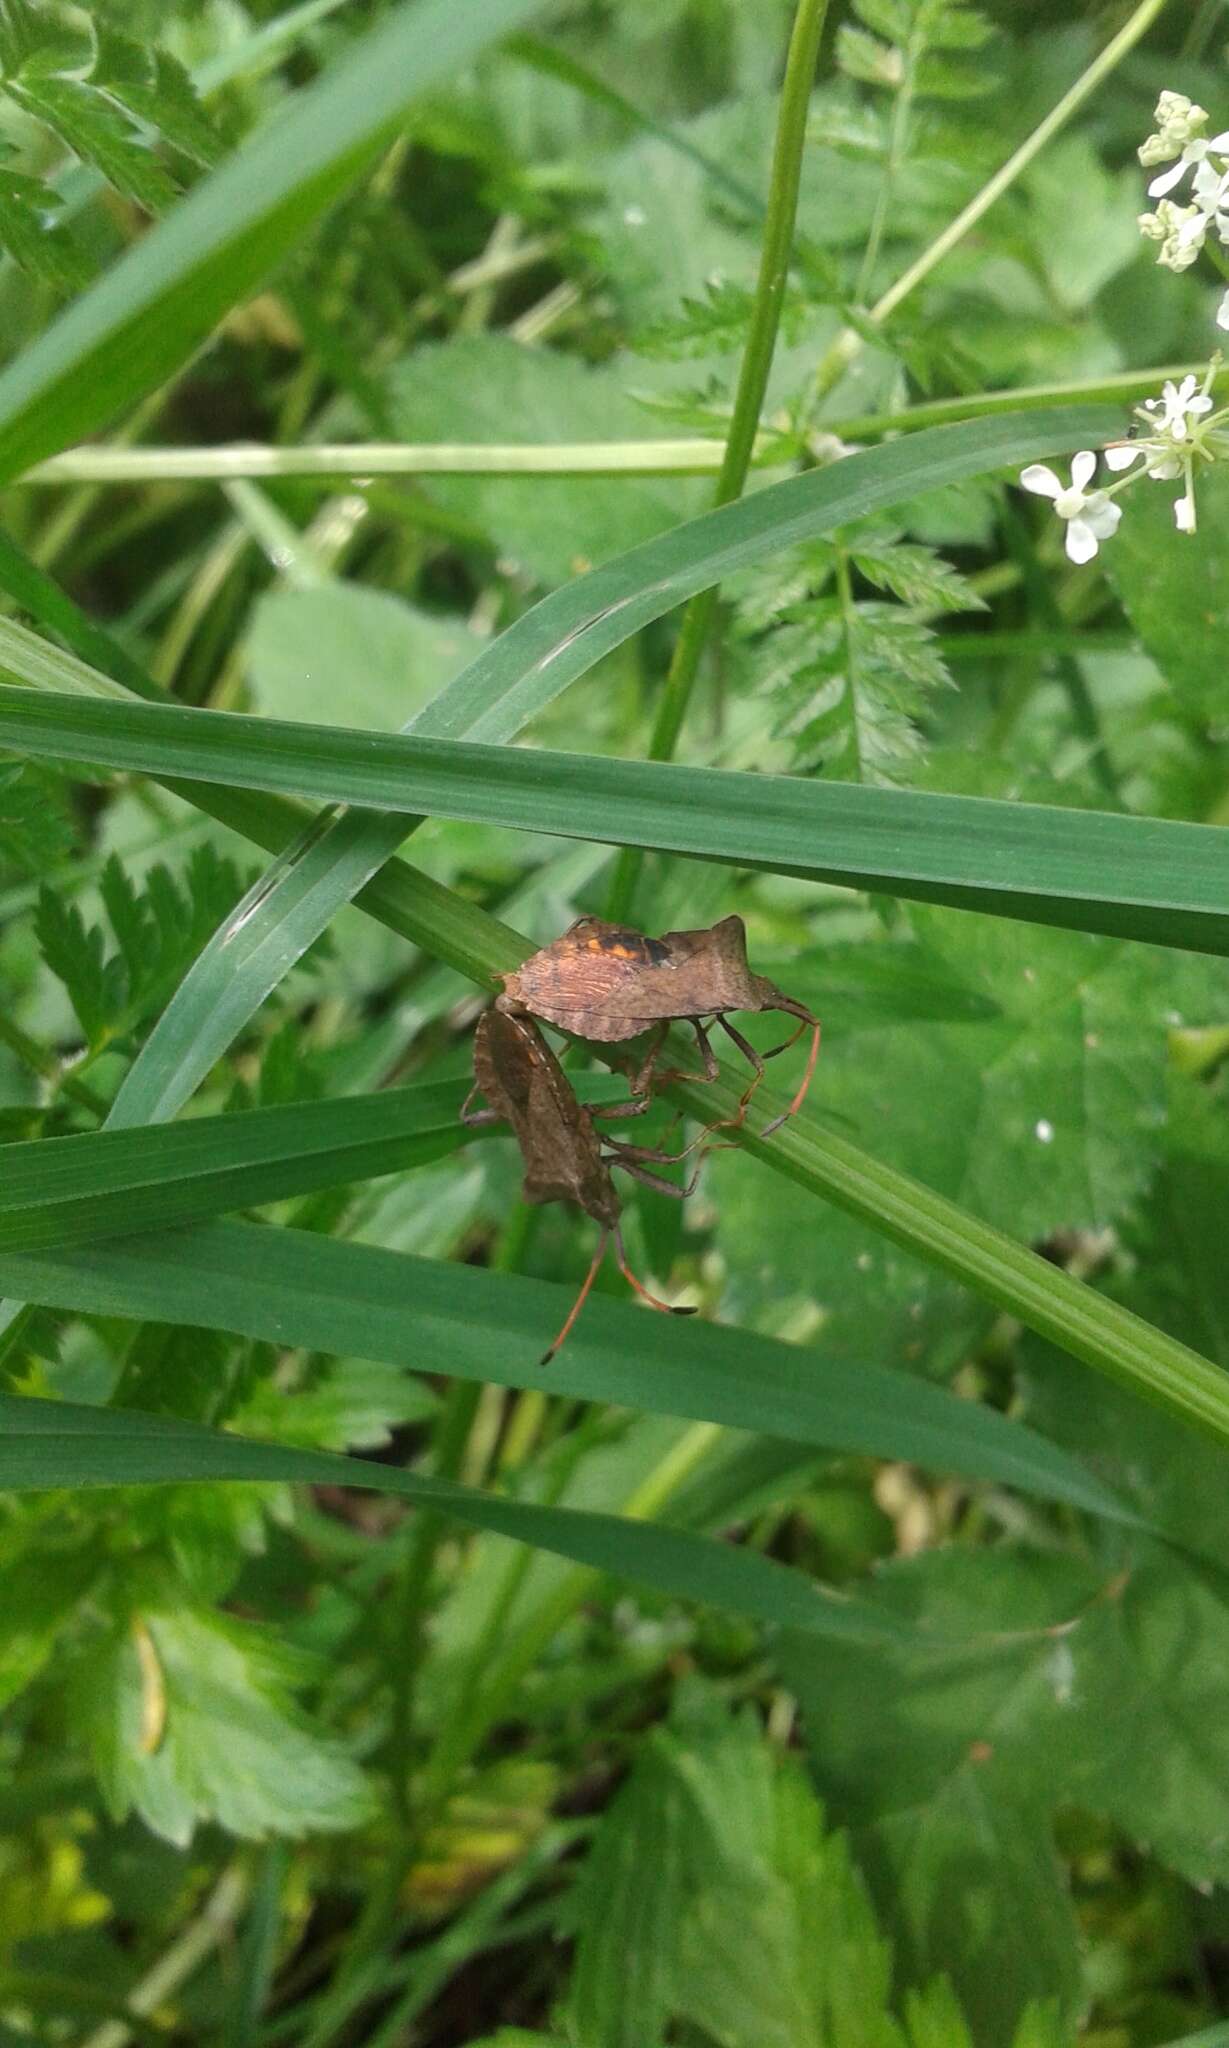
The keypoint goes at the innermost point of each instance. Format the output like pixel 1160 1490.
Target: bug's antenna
pixel 579 1302
pixel 805 1083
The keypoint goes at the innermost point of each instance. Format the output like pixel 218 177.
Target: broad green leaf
pixel 353 1300
pixel 1101 1693
pixel 57 1443
pixel 393 655
pixel 1141 878
pixel 711 1896
pixel 140 323
pixel 550 528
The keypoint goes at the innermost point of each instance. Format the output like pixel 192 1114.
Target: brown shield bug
pixel 607 982
pixel 565 1159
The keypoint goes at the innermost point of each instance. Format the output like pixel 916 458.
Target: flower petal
pixel 1040 478
pixel 1168 179
pixel 1083 468
pixel 1184 514
pixel 1103 517
pixel 1121 454
pixel 1081 540
pixel 1220 142
pixel 1222 312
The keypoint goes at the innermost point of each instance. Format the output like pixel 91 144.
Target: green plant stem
pixel 849 344
pixel 749 397
pixel 211 1927
pixel 1122 386
pixel 256 460
pixel 898 136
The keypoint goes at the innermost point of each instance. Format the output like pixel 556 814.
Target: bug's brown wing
pixel 597 981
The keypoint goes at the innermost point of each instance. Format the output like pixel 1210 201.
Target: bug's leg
pixel 650 1074
pixel 805 1083
pixel 635 1106
pixel 621 1152
pixel 754 1060
pixel 580 1300
pixel 629 1160
pixel 474 1117
pixel 667 1307
pixel 642 1079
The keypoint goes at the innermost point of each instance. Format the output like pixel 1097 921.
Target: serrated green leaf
pixel 153 85
pixel 1170 585
pixel 347 1404
pixel 188 1716
pixel 30 234
pixel 1100 1695
pixel 1053 1113
pixel 97 130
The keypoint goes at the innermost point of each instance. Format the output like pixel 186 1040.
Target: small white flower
pixel 1184 513
pixel 1222 312
pixel 1090 517
pixel 1173 410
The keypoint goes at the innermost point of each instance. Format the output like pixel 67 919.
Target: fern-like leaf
pixel 848 677
pixel 156 933
pixel 110 101
pixel 715 324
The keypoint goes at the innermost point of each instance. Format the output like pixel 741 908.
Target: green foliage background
pixel 452 479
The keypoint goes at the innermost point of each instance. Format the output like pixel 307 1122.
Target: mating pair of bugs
pixel 608 983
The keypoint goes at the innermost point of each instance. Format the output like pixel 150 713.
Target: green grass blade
pixel 64 1190
pixel 520 673
pixel 58 1444
pixel 1142 878
pixel 143 320
pixel 295 1287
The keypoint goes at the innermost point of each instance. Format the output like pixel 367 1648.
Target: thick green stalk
pixel 749 397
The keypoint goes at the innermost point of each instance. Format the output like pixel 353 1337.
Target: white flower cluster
pixel 1179 141
pixel 1180 430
